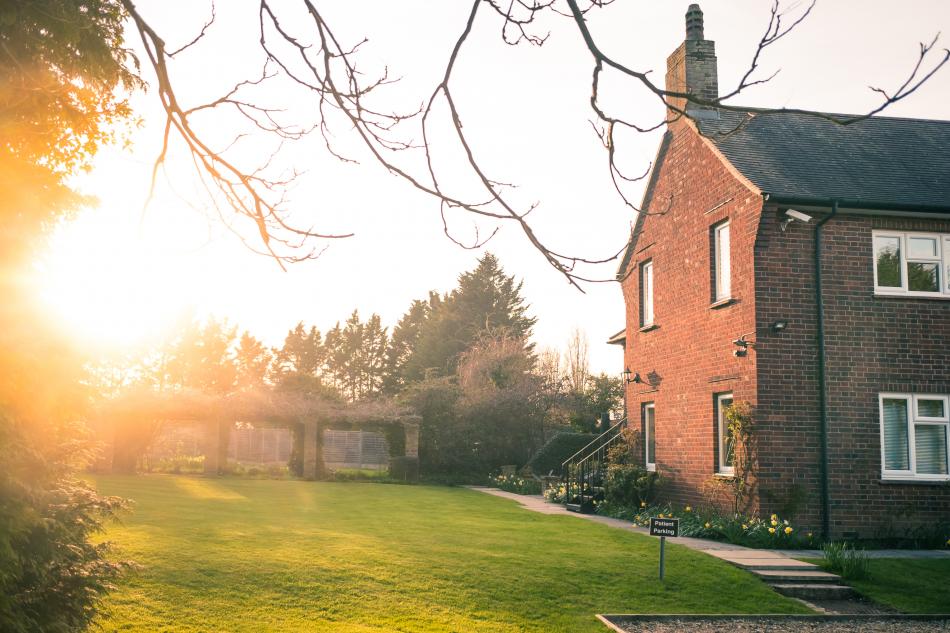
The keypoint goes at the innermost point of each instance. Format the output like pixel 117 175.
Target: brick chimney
pixel 692 67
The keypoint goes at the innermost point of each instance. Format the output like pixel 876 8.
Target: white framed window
pixel 911 264
pixel 646 293
pixel 726 452
pixel 915 436
pixel 649 432
pixel 722 263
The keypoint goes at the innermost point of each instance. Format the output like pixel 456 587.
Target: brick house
pixel 803 267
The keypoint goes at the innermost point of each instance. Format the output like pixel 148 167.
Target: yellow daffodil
pixel 643 504
pixel 809 535
pixel 689 509
pixel 788 530
pixel 774 517
pixel 771 530
pixel 745 527
pixel 774 523
pixel 707 526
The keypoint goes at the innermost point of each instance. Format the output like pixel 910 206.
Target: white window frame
pixel 913 421
pixel 722 262
pixel 942 260
pixel 649 406
pixel 721 467
pixel 646 294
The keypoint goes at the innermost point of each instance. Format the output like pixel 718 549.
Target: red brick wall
pixel 873 344
pixel 688 357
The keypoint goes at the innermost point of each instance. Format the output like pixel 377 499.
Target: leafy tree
pixel 63 70
pixel 203 358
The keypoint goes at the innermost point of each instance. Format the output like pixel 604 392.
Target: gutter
pixel 822 386
pixel 868 205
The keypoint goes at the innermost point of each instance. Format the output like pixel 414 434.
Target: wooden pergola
pixel 218 414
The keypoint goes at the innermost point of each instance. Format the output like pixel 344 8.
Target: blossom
pixel 745 527
pixel 707 526
pixel 774 517
pixel 643 504
pixel 771 530
pixel 774 522
pixel 788 530
pixel 689 509
pixel 809 535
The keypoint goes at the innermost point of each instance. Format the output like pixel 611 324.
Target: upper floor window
pixel 915 436
pixel 721 262
pixel 646 293
pixel 649 432
pixel 726 449
pixel 913 264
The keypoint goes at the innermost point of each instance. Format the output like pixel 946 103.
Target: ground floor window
pixel 726 452
pixel 915 436
pixel 649 434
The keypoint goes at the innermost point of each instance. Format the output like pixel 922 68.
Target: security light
pixel 797 215
pixel 792 215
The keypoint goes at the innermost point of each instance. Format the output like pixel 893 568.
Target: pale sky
pixel 115 275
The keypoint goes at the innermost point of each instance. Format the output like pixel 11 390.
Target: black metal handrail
pixel 594 441
pixel 582 476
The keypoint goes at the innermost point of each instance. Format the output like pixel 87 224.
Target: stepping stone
pixel 815 591
pixel 804 577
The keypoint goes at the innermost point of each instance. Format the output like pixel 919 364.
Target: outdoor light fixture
pixel 778 326
pixel 791 215
pixel 636 377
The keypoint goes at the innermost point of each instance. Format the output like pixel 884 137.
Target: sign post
pixel 664 528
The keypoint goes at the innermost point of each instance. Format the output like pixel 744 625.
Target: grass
pixel 253 555
pixel 910 585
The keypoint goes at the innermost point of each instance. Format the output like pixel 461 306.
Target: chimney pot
pixel 694 23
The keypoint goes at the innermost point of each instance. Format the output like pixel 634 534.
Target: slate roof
pixel 881 160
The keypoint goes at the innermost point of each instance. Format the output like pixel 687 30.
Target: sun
pixel 109 284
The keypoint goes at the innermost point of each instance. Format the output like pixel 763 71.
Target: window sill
pixel 724 476
pixel 930 296
pixel 914 481
pixel 647 328
pixel 651 468
pixel 722 303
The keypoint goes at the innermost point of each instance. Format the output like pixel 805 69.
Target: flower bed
pixel 751 531
pixel 516 484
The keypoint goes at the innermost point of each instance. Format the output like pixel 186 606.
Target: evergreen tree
pixel 401 345
pixel 253 360
pixel 486 302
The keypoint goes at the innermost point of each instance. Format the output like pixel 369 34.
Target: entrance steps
pixel 788 576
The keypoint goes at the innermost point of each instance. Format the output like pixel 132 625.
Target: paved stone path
pixel 536 503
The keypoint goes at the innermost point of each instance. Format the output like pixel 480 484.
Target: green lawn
pixel 909 585
pixel 254 555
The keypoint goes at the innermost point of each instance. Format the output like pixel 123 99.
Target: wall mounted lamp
pixel 636 377
pixel 778 326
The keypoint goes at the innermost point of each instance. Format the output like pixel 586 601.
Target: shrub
pixel 52 574
pixel 404 468
pixel 844 560
pixel 517 484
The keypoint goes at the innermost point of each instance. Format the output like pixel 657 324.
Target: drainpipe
pixel 822 386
